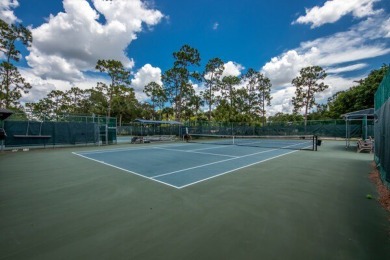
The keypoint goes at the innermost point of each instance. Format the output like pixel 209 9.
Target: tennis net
pixel 303 142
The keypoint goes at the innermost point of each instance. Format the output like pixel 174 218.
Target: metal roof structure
pixel 5 113
pixel 360 114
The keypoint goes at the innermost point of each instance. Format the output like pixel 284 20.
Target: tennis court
pixel 182 165
pixel 250 203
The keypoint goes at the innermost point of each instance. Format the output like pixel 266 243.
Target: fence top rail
pixel 144 121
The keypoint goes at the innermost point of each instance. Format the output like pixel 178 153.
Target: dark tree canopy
pixel 177 79
pixel 227 99
pixel 13 85
pixel 307 85
pixel 358 97
pixel 212 79
pixel 119 77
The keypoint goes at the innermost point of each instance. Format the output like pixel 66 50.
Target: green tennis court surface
pixel 182 165
pixel 303 205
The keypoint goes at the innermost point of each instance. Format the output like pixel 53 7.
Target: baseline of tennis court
pixel 182 165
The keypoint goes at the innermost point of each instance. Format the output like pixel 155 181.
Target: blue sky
pixel 348 38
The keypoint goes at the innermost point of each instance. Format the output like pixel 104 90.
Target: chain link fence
pixel 382 129
pixel 24 130
pixel 321 128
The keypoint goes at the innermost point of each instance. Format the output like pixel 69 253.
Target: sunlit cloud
pixel 334 10
pixel 6 12
pixel 52 54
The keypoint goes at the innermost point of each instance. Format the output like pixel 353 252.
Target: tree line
pixel 223 98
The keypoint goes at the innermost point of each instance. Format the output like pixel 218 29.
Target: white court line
pixel 207 164
pixel 213 147
pixel 176 145
pixel 271 143
pixel 194 151
pixel 239 168
pixel 138 174
pixel 126 149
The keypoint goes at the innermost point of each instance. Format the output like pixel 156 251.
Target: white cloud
pixel 6 12
pixel 72 41
pixel 215 26
pixel 281 98
pixel 41 87
pixel 336 83
pixel 358 43
pixel 333 10
pixel 232 69
pixel 346 68
pixel 281 70
pixel 144 76
pixel 386 28
pixel 281 101
pixel 337 53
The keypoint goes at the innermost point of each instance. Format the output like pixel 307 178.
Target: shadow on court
pixel 304 205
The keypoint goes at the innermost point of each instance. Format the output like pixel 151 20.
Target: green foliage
pixel 119 77
pixel 90 101
pixel 13 85
pixel 176 80
pixel 222 112
pixel 9 35
pixel 157 95
pixel 228 94
pixel 192 108
pixel 212 79
pixel 168 113
pixel 226 102
pixel 50 107
pixel 281 117
pixel 258 88
pixel 307 86
pixel 358 97
pixel 124 103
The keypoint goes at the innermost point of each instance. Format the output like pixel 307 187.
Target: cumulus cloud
pixel 358 43
pixel 281 97
pixel 337 54
pixel 41 87
pixel 281 101
pixel 72 41
pixel 336 84
pixel 333 10
pixel 232 69
pixel 6 12
pixel 281 70
pixel 144 76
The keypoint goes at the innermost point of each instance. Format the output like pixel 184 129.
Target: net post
pixel 315 142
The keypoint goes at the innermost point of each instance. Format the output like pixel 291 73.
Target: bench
pixel 137 139
pixel 365 145
pixel 33 136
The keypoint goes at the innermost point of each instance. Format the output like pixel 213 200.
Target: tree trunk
pixel 209 115
pixel 263 111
